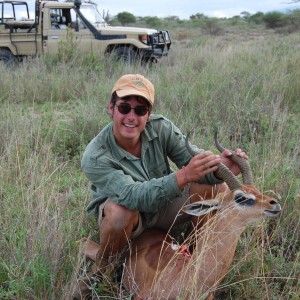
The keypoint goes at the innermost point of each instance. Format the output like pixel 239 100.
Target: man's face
pixel 129 124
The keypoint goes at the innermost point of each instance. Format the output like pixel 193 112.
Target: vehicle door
pixel 65 31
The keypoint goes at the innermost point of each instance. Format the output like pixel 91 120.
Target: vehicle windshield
pixel 91 14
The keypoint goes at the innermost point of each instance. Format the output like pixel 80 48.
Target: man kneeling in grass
pixel 132 184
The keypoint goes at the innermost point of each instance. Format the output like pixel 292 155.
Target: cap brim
pixel 125 93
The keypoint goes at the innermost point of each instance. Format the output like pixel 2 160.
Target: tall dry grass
pixel 248 88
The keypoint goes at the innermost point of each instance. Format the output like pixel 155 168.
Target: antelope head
pixel 243 199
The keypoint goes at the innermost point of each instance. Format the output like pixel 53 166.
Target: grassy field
pixel 245 81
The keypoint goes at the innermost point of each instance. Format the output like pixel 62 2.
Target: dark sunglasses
pixel 125 108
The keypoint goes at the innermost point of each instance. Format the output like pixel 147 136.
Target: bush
pixel 275 19
pixel 126 18
pixel 257 18
pixel 212 26
pixel 153 21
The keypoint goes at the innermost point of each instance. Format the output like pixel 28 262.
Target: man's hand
pixel 200 165
pixel 225 159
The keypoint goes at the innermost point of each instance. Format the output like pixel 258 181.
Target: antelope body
pixel 158 269
pixel 155 270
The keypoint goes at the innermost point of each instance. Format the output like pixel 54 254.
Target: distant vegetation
pixel 289 21
pixel 237 74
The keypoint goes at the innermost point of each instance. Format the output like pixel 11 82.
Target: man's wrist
pixel 182 178
pixel 185 175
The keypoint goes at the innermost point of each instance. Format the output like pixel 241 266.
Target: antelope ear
pixel 201 208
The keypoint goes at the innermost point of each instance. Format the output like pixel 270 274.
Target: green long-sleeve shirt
pixel 146 184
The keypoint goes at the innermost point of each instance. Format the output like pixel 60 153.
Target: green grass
pixel 246 83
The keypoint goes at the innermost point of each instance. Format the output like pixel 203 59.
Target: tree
pixel 126 18
pixel 198 16
pixel 257 18
pixel 245 15
pixel 152 21
pixel 275 19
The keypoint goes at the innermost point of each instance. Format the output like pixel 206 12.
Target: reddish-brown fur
pixel 154 270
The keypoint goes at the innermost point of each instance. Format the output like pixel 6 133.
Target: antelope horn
pixel 188 146
pixel 222 172
pixel 225 174
pixel 241 162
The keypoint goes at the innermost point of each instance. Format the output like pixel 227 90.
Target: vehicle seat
pixel 62 24
pixel 54 23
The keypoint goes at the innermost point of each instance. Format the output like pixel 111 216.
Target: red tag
pixel 184 249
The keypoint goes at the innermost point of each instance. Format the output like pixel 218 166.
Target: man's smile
pixel 129 125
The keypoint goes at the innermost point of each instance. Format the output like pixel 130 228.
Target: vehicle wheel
pixel 7 58
pixel 149 62
pixel 126 54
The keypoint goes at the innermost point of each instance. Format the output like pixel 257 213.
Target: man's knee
pixel 116 224
pixel 119 216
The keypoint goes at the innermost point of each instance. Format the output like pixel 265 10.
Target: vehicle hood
pixel 106 29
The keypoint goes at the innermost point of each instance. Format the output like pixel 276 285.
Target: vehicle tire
pixel 149 62
pixel 126 54
pixel 7 58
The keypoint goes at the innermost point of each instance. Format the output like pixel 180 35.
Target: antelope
pixel 157 268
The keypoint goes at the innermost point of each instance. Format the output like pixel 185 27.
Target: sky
pixel 185 8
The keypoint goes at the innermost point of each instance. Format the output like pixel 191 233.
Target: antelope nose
pixel 276 205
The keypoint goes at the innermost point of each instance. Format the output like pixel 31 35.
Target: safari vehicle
pixel 21 36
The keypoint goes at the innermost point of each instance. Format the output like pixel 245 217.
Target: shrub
pixel 212 26
pixel 257 18
pixel 275 19
pixel 153 21
pixel 126 18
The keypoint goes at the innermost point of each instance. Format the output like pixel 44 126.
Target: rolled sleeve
pixel 146 196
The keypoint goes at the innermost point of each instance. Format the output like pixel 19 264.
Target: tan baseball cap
pixel 134 84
